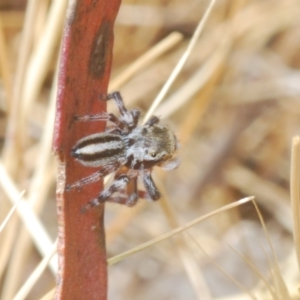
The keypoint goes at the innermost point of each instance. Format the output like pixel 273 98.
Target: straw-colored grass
pixel 225 76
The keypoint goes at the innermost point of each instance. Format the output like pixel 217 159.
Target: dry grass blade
pixel 239 297
pixel 146 59
pixel 271 196
pixel 37 231
pixel 295 193
pixel 42 179
pixel 40 59
pixel 38 185
pixel 11 212
pixel 11 154
pixel 12 19
pixel 5 70
pixel 120 221
pixel 258 273
pixel 280 286
pixel 35 275
pixel 235 281
pixel 184 251
pixel 181 62
pixel 196 82
pixel 165 236
pixel 192 270
pixel 49 295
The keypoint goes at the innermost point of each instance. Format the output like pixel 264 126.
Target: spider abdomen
pixel 99 149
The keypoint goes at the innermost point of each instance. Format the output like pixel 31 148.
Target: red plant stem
pixel 84 74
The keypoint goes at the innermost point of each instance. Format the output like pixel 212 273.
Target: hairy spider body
pixel 125 145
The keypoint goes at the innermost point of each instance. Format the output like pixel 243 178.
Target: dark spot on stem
pixel 98 54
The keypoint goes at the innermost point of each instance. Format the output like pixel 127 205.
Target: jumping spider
pixel 130 150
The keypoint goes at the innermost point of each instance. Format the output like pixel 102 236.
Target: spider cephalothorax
pixel 128 146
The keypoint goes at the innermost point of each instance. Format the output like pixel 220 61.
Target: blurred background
pixel 235 108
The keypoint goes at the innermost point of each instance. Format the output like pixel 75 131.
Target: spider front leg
pixel 129 196
pixel 104 116
pixel 128 117
pixel 118 186
pixel 132 192
pixel 150 186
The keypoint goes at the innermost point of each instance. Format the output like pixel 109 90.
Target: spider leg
pixel 117 199
pixel 128 196
pixel 150 185
pixel 136 115
pixel 152 121
pixel 132 192
pixel 92 178
pixel 104 116
pixel 123 199
pixel 130 118
pixel 143 195
pixel 114 119
pixel 118 185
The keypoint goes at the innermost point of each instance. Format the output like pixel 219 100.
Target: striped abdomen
pixel 99 149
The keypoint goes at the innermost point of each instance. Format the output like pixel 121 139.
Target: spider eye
pixel 152 153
